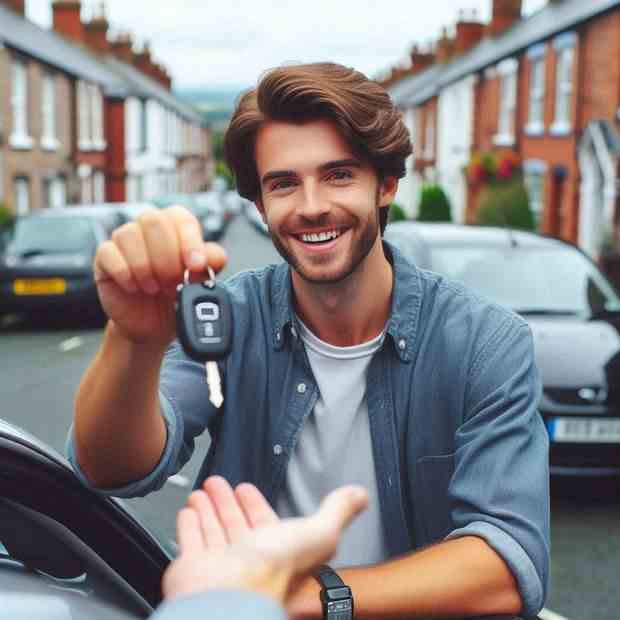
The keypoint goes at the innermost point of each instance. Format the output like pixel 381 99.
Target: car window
pixel 528 279
pixel 51 235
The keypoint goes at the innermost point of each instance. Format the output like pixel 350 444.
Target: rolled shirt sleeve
pixel 500 487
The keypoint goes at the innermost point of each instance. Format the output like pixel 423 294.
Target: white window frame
pixel 536 105
pixel 535 180
pixel 429 134
pixel 49 140
pixel 98 187
pixel 21 195
pixel 84 108
pixel 564 91
pixel 20 138
pixel 96 117
pixel 56 188
pixel 507 70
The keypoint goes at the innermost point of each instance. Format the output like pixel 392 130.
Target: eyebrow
pixel 330 165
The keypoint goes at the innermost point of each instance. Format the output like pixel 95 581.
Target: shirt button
pixel 301 388
pixel 402 344
pixel 277 449
pixel 278 336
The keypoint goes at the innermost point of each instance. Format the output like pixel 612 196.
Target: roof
pixel 552 19
pixel 53 49
pixel 141 85
pixel 117 78
pixel 416 89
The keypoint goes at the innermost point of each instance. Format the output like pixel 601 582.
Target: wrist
pixel 117 337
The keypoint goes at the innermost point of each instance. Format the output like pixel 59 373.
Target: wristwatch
pixel 336 597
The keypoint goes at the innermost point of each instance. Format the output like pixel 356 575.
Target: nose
pixel 313 205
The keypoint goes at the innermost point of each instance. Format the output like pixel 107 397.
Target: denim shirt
pixel 458 444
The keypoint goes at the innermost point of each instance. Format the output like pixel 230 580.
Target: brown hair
pixel 361 109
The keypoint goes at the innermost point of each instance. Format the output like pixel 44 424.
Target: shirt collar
pixel 406 302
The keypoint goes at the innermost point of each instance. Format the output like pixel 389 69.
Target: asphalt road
pixel 40 367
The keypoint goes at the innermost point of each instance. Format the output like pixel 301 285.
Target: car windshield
pixel 51 235
pixel 529 280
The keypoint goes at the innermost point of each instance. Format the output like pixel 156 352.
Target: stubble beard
pixel 359 252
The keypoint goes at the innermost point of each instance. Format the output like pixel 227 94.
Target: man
pixel 349 365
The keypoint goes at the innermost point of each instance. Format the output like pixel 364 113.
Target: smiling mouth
pixel 318 238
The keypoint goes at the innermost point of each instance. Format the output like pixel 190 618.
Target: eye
pixel 340 175
pixel 282 184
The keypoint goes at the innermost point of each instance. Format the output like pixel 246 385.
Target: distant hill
pixel 216 103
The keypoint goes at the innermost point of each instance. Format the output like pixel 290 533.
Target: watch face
pixel 340 610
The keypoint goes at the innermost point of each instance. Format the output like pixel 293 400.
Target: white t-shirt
pixel 334 447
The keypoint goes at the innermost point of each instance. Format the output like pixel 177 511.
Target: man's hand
pixel 233 539
pixel 137 271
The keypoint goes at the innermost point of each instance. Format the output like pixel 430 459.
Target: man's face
pixel 321 201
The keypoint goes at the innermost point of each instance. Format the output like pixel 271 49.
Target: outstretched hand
pixel 234 539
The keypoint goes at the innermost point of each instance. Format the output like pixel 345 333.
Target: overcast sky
pixel 229 43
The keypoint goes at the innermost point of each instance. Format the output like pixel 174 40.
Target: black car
pixel 574 313
pixel 47 263
pixel 59 538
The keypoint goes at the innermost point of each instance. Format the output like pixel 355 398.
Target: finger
pixel 110 265
pixel 212 530
pixel 341 506
pixel 130 241
pixel 228 509
pixel 162 246
pixel 189 532
pixel 255 507
pixel 216 256
pixel 189 234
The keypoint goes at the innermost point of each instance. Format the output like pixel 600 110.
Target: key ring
pixel 210 283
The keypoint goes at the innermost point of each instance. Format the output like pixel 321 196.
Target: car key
pixel 204 327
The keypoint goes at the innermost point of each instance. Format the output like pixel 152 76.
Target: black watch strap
pixel 328 577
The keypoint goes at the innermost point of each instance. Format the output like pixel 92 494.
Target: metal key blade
pixel 215 384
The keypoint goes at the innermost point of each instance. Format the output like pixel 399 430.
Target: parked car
pixel 48 260
pixel 59 538
pixel 211 211
pixel 574 314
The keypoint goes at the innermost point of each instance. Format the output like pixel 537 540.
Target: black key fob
pixel 204 319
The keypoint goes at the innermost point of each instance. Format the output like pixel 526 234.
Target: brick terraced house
pixel 544 89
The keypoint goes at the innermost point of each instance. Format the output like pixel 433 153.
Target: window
pixel 96 103
pixel 564 90
pixel 507 71
pixel 21 193
pixel 54 192
pixel 84 113
pixel 48 113
pixel 534 180
pixel 98 187
pixel 429 135
pixel 536 120
pixel 19 106
pixel 143 126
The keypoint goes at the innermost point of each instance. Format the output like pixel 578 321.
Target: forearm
pixel 454 579
pixel 119 432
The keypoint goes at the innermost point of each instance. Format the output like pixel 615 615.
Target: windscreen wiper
pixel 544 312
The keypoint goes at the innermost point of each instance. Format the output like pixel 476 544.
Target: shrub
pixel 222 170
pixel 6 216
pixel 506 204
pixel 434 205
pixel 396 213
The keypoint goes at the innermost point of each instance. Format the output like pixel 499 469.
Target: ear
pixel 387 191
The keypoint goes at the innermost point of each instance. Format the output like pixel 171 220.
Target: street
pixel 40 367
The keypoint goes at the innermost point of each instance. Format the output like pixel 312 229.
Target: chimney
pixel 505 14
pixel 445 47
pixel 122 48
pixel 420 60
pixel 18 6
pixel 96 32
pixel 66 19
pixel 469 32
pixel 142 61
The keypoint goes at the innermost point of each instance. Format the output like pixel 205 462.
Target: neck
pixel 353 310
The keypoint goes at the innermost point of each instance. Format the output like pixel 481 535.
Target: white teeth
pixel 319 237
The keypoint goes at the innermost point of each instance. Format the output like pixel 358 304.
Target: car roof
pixel 433 233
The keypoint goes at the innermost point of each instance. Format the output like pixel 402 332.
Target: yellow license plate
pixel 40 286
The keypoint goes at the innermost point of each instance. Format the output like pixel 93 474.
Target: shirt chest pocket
pixel 431 499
